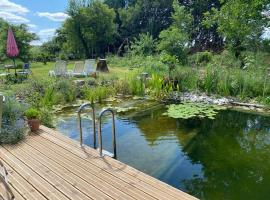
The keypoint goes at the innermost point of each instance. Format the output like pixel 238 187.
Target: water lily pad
pixel 193 110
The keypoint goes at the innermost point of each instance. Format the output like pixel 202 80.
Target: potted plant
pixel 32 116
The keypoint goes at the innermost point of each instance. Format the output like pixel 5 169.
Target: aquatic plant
pixel 192 110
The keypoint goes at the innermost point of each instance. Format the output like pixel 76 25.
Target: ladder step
pixel 106 153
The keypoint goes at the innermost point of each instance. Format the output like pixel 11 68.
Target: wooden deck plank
pixel 47 174
pixel 87 183
pixel 74 181
pixel 85 170
pixel 31 176
pixel 3 193
pixel 50 166
pixel 21 186
pixel 115 166
pixel 147 188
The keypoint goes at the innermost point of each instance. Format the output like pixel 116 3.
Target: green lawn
pixel 41 71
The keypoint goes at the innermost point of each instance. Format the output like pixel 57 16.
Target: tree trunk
pixel 102 66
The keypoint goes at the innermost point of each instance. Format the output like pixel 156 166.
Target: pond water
pixel 225 158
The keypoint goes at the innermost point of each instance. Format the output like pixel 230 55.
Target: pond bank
pixel 230 102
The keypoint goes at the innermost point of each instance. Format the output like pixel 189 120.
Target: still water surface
pixel 225 158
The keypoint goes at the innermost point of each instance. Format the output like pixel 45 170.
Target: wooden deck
pixel 51 166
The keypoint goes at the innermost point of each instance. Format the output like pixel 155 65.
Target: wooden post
pixel 1 110
pixel 102 66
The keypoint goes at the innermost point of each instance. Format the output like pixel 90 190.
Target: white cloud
pixel 44 36
pixel 12 12
pixel 36 43
pixel 58 17
pixel 32 25
pixel 47 32
pixel 10 7
pixel 12 18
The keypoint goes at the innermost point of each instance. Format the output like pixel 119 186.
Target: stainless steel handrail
pixel 82 107
pixel 114 155
pixel 3 179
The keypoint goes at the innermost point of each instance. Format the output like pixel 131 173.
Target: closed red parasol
pixel 12 48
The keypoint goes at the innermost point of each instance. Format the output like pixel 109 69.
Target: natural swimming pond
pixel 225 158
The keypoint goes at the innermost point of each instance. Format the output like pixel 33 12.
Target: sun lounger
pixel 60 69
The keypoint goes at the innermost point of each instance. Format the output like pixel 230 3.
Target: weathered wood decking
pixel 51 166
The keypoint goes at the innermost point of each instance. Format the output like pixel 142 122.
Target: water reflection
pixel 226 158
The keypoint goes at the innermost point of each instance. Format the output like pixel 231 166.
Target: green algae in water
pixel 193 110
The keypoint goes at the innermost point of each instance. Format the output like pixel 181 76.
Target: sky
pixel 42 16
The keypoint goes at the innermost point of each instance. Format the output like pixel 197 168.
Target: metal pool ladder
pixel 101 151
pixel 82 107
pixel 100 142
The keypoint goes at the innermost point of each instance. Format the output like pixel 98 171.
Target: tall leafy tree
pixel 23 38
pixel 90 28
pixel 146 16
pixel 240 22
pixel 204 38
pixel 176 39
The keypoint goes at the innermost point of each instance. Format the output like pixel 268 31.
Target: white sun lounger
pixel 60 69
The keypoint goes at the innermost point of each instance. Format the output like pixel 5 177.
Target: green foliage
pixel 46 117
pixel 144 45
pixel 193 110
pixel 176 39
pixel 188 79
pixel 32 113
pixel 65 91
pixel 13 126
pixel 170 61
pixel 97 94
pixel 86 25
pixel 203 57
pixel 140 16
pixel 40 93
pixel 155 86
pixel 23 38
pixel 240 22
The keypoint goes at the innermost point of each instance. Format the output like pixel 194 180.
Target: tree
pixel 203 38
pixel 144 45
pixel 90 29
pixel 23 38
pixel 240 22
pixel 145 16
pixel 176 39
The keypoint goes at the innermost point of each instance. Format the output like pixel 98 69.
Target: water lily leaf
pixel 192 110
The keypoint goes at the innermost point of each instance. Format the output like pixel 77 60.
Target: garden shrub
pixel 144 45
pixel 204 57
pixel 46 117
pixel 66 89
pixel 187 78
pixel 122 87
pixel 13 125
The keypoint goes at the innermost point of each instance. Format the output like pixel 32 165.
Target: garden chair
pixel 78 70
pixel 60 69
pixel 89 66
pixel 5 190
pixel 25 70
